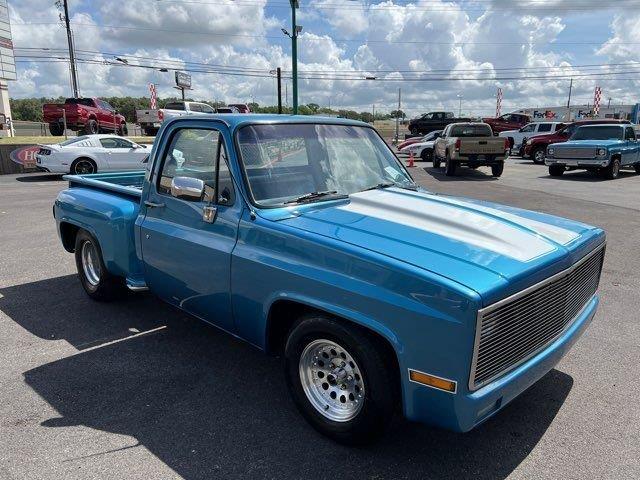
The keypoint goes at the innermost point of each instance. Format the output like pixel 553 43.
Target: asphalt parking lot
pixel 136 390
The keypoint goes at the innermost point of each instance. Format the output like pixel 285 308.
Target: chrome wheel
pixel 331 380
pixel 83 167
pixel 539 156
pixel 90 263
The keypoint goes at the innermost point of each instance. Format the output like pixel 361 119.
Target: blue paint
pixel 412 266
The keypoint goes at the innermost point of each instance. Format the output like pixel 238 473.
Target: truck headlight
pixel 550 151
pixel 529 142
pixel 602 152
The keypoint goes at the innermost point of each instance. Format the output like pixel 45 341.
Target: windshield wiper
pixel 391 184
pixel 316 195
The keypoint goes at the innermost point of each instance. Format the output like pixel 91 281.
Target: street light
pixel 296 29
pixel 459 105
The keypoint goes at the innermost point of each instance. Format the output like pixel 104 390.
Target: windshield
pixel 601 132
pixel 283 162
pixel 471 131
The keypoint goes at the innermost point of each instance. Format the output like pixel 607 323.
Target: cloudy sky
pixel 434 50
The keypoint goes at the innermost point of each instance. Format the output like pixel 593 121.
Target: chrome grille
pixel 567 152
pixel 512 330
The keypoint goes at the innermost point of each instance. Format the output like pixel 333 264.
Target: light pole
pixel 459 105
pixel 295 31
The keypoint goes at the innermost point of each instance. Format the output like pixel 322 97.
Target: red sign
pixel 25 156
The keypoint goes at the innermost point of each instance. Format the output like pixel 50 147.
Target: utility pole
pixel 373 112
pixel 569 101
pixel 398 116
pixel 72 56
pixel 294 54
pixel 279 75
pixel 609 103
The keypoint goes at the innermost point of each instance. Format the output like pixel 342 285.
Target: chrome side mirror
pixel 187 188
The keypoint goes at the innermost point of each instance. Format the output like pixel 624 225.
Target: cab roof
pixel 235 120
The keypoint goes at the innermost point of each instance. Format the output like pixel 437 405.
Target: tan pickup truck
pixel 470 144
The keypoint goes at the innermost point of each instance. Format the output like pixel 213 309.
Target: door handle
pixel 153 205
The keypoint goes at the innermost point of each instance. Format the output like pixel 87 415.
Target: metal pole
pixel 460 108
pixel 569 100
pixel 182 90
pixel 398 117
pixel 72 56
pixel 279 76
pixel 294 55
pixel 64 122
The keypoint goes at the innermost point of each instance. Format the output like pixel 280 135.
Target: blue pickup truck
pixel 307 237
pixel 603 149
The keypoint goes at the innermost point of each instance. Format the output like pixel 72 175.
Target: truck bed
pixel 126 183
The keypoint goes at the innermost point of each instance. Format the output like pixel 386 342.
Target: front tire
pixel 96 280
pixel 123 130
pixel 538 155
pixel 556 170
pixel 340 379
pixel 426 155
pixel 612 171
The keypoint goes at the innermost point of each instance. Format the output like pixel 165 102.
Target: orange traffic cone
pixel 411 159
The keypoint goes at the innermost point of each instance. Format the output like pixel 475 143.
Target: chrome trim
pixel 484 311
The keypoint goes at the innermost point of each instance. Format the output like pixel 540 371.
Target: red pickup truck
pixel 86 115
pixel 536 147
pixel 508 121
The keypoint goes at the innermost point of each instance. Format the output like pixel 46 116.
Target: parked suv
pixel 517 138
pixel 536 147
pixel 432 121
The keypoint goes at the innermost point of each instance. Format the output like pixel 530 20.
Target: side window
pixel 194 107
pixel 629 134
pixel 115 143
pixel 544 127
pixel 207 109
pixel 191 153
pixel 529 128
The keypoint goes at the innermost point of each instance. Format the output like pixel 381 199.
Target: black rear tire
pixel 377 377
pixel 556 170
pixel 56 129
pixel 496 170
pixel 83 166
pixel 96 280
pixel 91 127
pixel 449 166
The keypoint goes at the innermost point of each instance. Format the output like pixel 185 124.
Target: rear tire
pixel 538 155
pixel 96 280
pixel 83 166
pixel 496 170
pixel 449 166
pixel 556 170
pixel 340 379
pixel 91 127
pixel 56 129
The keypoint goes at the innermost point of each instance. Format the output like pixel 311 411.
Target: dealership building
pixel 577 112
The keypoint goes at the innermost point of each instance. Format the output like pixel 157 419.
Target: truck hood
pixel 492 249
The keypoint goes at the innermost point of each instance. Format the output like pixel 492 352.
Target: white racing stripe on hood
pixel 452 222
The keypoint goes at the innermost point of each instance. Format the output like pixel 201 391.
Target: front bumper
pixel 579 162
pixel 467 409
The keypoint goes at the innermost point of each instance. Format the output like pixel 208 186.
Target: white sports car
pixel 91 154
pixel 424 149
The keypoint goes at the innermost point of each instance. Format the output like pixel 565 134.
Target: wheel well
pixel 68 233
pixel 283 315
